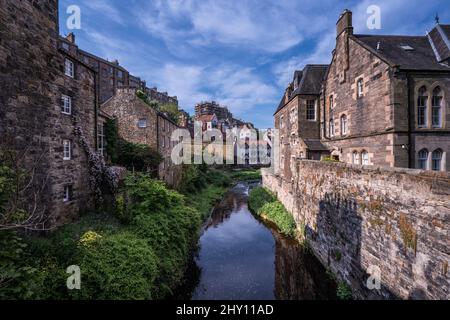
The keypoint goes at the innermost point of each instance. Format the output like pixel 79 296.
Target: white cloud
pixel 247 25
pixel 105 8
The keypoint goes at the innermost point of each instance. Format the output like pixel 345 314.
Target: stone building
pixel 47 94
pixel 161 97
pixel 222 113
pixel 386 98
pixel 298 119
pixel 111 74
pixel 139 123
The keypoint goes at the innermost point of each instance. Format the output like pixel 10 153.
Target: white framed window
pixel 311 113
pixel 120 73
pixel 344 125
pixel 436 108
pixel 355 157
pixel 360 87
pixel 66 104
pixel 331 102
pixel 365 158
pixel 68 193
pixel 142 123
pixel 436 160
pixel 69 68
pixel 422 107
pixel 163 142
pixel 331 127
pixel 67 150
pixel 422 159
pixel 101 139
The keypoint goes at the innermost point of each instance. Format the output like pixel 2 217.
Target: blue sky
pixel 240 53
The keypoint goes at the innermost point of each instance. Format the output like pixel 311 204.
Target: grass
pixel 264 204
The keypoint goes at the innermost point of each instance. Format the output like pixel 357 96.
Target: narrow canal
pixel 243 258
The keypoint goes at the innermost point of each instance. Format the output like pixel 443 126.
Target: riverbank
pixel 140 251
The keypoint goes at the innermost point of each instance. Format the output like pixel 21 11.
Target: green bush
pixel 344 292
pixel 137 157
pixel 264 203
pixel 246 175
pixel 117 266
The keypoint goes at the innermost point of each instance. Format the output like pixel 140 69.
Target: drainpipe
pixel 410 123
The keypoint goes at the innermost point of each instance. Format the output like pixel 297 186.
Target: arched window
pixel 365 158
pixel 331 102
pixel 422 106
pixel 436 160
pixel 422 159
pixel 344 125
pixel 355 157
pixel 436 108
pixel 360 87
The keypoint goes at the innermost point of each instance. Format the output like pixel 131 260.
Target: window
pixel 436 108
pixel 67 150
pixel 101 139
pixel 355 157
pixel 344 125
pixel 66 104
pixel 422 102
pixel 111 70
pixel 65 46
pixel 311 110
pixel 119 73
pixel 281 122
pixel 331 125
pixel 68 193
pixel 436 160
pixel 111 82
pixel 360 86
pixel 422 159
pixel 142 123
pixel 86 59
pixel 119 83
pixel 68 68
pixel 365 158
pixel 331 102
pixel 293 116
pixel 163 142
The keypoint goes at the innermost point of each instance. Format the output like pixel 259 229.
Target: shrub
pixel 344 292
pixel 137 157
pixel 117 266
pixel 259 197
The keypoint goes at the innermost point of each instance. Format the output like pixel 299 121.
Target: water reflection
pixel 242 258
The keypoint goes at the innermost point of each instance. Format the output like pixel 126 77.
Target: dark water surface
pixel 242 258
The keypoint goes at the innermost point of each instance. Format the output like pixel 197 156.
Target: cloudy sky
pixel 241 53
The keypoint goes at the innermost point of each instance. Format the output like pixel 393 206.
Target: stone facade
pixel 359 219
pixel 371 102
pixel 139 123
pixel 34 81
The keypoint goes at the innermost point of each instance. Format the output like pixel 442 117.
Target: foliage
pixel 89 239
pixel 246 175
pixel 14 273
pixel 172 112
pixel 117 266
pixel 112 139
pixel 344 292
pixel 137 157
pixel 329 159
pixel 264 203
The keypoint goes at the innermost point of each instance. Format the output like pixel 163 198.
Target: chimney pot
pixel 71 38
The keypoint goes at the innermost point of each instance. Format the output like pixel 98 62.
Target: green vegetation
pixel 265 204
pixel 170 110
pixel 329 159
pixel 246 175
pixel 134 157
pixel 344 292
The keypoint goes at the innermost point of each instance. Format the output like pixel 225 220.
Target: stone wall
pixel 358 218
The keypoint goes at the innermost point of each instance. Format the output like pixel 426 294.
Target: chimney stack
pixel 71 38
pixel 345 23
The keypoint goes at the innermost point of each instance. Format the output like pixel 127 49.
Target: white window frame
pixel 66 104
pixel 365 161
pixel 101 146
pixel 67 149
pixel 424 107
pixel 308 106
pixel 68 193
pixel 142 123
pixel 437 107
pixel 344 125
pixel 355 157
pixel 69 68
pixel 360 87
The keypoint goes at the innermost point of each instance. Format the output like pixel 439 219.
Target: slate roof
pixel 315 145
pixel 309 82
pixel 420 58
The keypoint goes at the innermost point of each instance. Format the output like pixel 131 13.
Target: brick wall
pixel 356 217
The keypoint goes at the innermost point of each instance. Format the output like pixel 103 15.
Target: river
pixel 243 258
